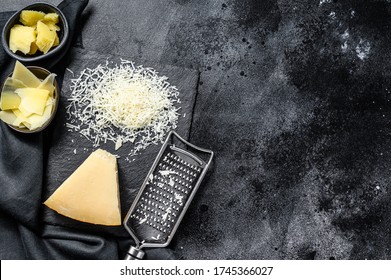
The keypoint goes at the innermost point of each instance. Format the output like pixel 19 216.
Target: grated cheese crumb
pixel 122 104
pixel 70 71
pixel 118 144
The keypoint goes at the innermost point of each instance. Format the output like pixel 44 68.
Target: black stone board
pixel 69 149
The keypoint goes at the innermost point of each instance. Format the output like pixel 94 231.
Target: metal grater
pixel 166 194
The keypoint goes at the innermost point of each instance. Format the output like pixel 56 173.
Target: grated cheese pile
pixel 122 103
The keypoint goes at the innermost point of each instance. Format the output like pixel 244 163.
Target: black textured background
pixel 294 98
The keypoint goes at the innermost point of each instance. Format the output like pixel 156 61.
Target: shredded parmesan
pixel 122 104
pixel 166 172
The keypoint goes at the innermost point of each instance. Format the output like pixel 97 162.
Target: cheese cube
pixel 51 17
pixel 45 37
pixel 52 26
pixel 21 38
pixel 30 18
pixel 33 48
pixel 56 41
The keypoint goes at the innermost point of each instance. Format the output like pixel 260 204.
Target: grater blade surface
pixel 167 192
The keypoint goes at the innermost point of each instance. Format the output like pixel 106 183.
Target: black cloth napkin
pixel 23 163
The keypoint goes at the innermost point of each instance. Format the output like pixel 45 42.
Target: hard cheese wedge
pixel 91 193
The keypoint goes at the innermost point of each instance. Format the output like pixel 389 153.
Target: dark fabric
pixel 4 58
pixel 23 163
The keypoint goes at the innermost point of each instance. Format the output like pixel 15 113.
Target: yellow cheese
pixel 20 119
pixel 7 117
pixel 51 17
pixel 56 41
pixel 33 48
pixel 91 193
pixel 30 18
pixel 24 106
pixel 37 31
pixel 12 84
pixel 52 26
pixel 24 112
pixel 9 100
pixel 33 100
pixel 45 37
pixel 21 38
pixel 24 75
pixel 37 121
pixel 48 84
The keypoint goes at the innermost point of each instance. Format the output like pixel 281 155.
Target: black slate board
pixel 62 159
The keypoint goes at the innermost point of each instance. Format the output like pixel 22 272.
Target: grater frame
pixel 135 252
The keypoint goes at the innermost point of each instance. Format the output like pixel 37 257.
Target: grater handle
pixel 134 254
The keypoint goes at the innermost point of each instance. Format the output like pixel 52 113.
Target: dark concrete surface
pixel 294 98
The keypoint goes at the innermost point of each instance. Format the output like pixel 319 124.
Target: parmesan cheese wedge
pixel 91 193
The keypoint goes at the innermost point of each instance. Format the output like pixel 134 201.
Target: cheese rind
pixel 91 193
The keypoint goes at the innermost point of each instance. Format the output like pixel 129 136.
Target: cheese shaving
pixel 122 103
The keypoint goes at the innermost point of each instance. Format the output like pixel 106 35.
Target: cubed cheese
pixel 21 38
